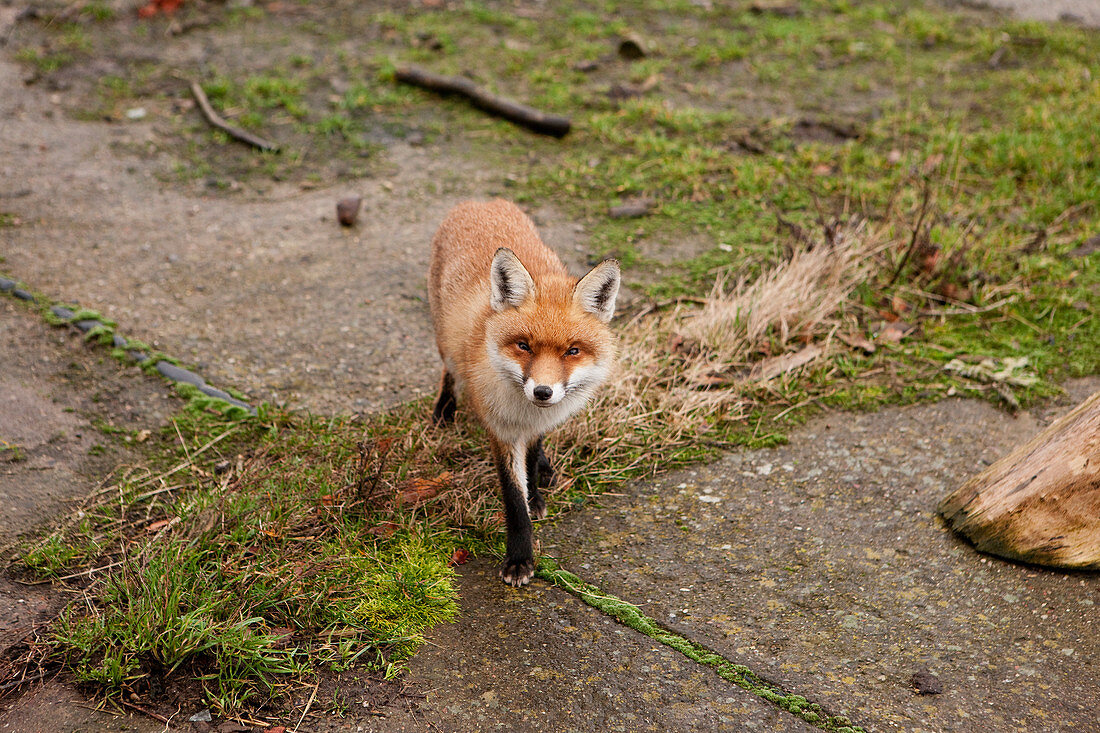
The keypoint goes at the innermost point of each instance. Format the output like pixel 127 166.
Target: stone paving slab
pixel 538 659
pixel 822 566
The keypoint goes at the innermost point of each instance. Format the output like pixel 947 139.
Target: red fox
pixel 524 343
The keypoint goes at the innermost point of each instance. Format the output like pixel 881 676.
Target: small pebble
pixel 347 210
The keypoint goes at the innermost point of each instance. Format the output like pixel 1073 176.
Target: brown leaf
pixel 896 331
pixel 383 530
pixel 777 365
pixel 157 526
pixel 419 490
pixel 857 342
pixel 931 163
pixel 328 500
pixel 899 305
pixel 459 557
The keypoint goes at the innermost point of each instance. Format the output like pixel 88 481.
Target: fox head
pixel 550 337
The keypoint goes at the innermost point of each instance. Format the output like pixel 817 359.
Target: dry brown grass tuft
pixel 683 372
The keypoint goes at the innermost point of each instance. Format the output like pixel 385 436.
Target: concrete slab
pixel 823 566
pixel 54 391
pixel 541 660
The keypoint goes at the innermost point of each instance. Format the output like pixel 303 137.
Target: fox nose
pixel 543 393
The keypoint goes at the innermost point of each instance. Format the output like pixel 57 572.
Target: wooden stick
pixel 236 133
pixel 521 114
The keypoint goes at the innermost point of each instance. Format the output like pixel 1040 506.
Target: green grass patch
pixel 259 552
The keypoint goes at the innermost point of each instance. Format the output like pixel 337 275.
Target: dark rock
pixel 782 8
pixel 179 374
pixel 118 341
pixel 632 47
pixel 6 285
pixel 86 324
pixel 926 683
pixel 23 295
pixel 206 389
pixel 347 210
pixel 139 356
pixel 62 312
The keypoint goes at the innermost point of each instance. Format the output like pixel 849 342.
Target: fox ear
pixel 509 281
pixel 596 291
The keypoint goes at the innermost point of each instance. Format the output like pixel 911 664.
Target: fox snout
pixel 543 395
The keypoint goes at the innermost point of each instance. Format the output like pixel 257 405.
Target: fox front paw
pixel 517 573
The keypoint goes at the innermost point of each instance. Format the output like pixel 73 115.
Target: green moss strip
pixel 630 615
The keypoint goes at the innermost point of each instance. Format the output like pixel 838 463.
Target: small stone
pixel 632 209
pixel 206 389
pixel 23 295
pixel 86 324
pixel 118 341
pixel 6 285
pixel 926 683
pixel 587 66
pixel 62 312
pixel 179 374
pixel 203 716
pixel 347 210
pixel 139 356
pixel 136 113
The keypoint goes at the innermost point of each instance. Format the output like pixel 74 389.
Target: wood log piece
pixel 236 133
pixel 1041 503
pixel 529 117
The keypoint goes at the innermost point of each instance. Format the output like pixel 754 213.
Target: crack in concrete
pixel 632 617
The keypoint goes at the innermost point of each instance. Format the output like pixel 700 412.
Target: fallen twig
pixel 236 133
pixel 521 114
pixel 23 681
pixel 150 713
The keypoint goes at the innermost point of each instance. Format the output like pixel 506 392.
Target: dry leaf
pixel 385 529
pixel 896 331
pixel 157 526
pixel 776 365
pixel 857 342
pixel 459 557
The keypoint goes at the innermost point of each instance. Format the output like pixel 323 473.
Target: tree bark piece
pixel 521 114
pixel 236 133
pixel 1041 503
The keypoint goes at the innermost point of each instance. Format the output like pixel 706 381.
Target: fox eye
pixel 523 346
pixel 573 351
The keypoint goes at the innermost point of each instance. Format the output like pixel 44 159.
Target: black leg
pixel 535 460
pixel 546 472
pixel 444 412
pixel 519 558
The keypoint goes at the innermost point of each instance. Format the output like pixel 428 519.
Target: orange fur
pixel 525 343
